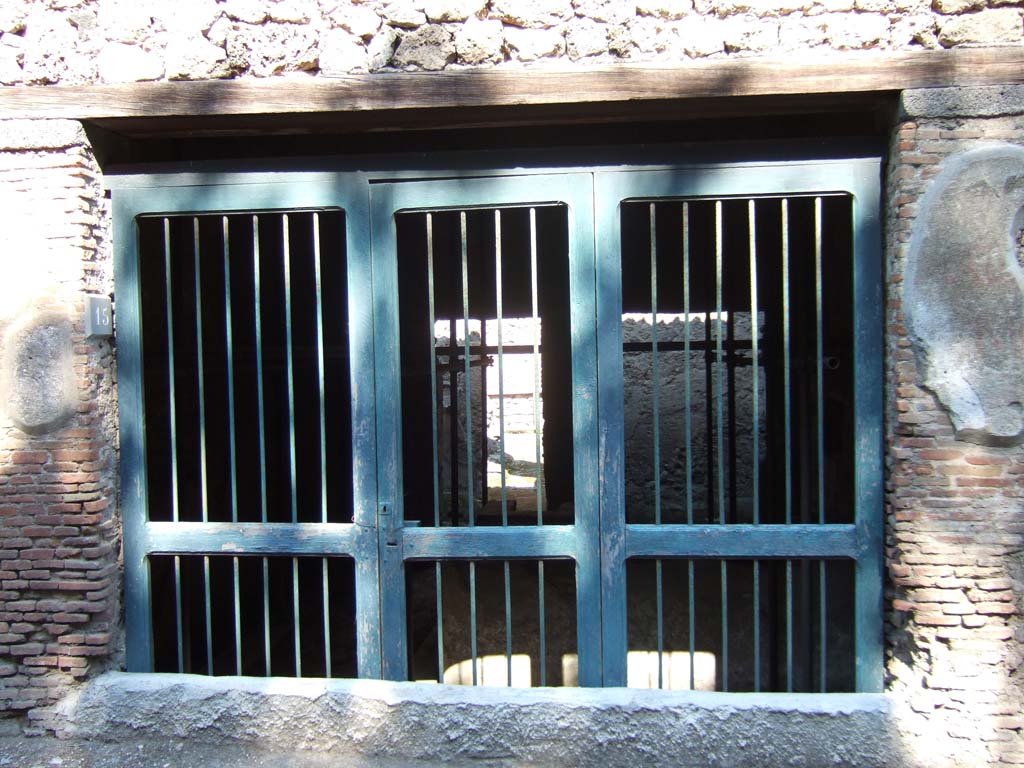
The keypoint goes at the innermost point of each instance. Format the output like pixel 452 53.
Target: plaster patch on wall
pixel 37 376
pixel 964 298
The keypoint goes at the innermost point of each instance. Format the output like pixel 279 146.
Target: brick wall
pixel 59 584
pixel 954 517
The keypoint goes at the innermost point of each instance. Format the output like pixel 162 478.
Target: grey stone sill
pixel 393 694
pixel 412 722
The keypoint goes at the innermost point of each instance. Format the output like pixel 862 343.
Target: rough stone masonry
pixel 954 512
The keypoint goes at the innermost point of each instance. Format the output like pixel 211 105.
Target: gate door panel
pixel 740 397
pixel 246 437
pixel 487 429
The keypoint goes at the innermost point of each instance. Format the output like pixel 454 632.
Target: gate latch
pixel 389 524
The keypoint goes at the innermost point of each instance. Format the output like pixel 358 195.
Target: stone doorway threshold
pixel 262 722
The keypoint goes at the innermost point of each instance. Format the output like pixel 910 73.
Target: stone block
pixel 195 57
pixel 431 47
pixel 122 63
pixel 994 25
pixel 977 101
pixel 665 9
pixel 341 53
pixel 381 49
pixel 124 21
pixel 272 48
pixel 360 20
pixel 10 63
pixel 952 7
pixel 533 44
pixel 37 377
pixel 585 37
pixel 405 14
pixel 964 294
pixel 452 10
pixel 479 42
pixel 608 11
pixel 12 16
pixel 533 13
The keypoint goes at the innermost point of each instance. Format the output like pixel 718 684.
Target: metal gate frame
pixel 206 195
pixel 599 541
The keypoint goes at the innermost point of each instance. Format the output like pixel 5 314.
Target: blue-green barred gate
pixel 589 425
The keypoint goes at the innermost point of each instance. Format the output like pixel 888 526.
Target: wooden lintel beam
pixel 421 91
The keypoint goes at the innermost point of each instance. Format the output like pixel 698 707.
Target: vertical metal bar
pixel 229 338
pixel 501 436
pixel 508 624
pixel 322 394
pixel 266 618
pixel 725 625
pixel 470 476
pixel 260 413
pixel 238 620
pixel 261 419
pixel 720 437
pixel 659 598
pixel 438 591
pixel 433 367
pixel 453 422
pixel 203 489
pixel 208 626
pixel 656 407
pixel 755 421
pixel 688 440
pixel 820 399
pixel 290 363
pixel 655 381
pixel 691 618
pixel 172 393
pixel 755 366
pixel 172 402
pixel 719 397
pixel 501 364
pixel 789 625
pixel 535 298
pixel 292 438
pixel 295 617
pixel 433 430
pixel 178 612
pixel 542 649
pixel 757 626
pixel 203 478
pixel 320 367
pixel 328 664
pixel 687 385
pixel 535 308
pixel 483 411
pixel 787 454
pixel 469 435
pixel 472 619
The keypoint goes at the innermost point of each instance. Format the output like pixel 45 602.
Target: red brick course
pixel 58 532
pixel 954 520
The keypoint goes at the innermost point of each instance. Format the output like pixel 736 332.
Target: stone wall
pixel 954 517
pixel 82 41
pixel 954 514
pixel 59 582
